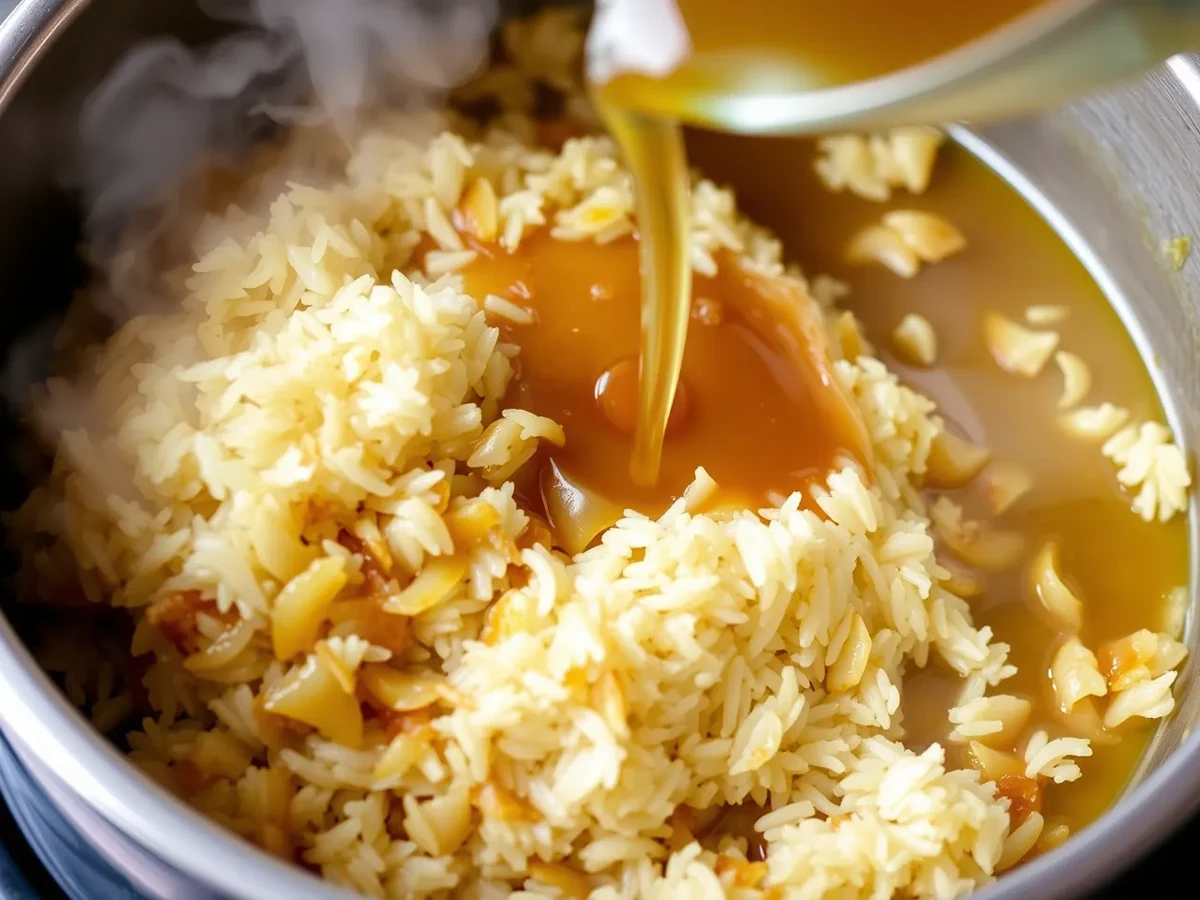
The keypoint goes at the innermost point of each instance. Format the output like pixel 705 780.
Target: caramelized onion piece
pixel 1094 423
pixel 478 211
pixel 987 549
pixel 994 764
pixel 402 691
pixel 275 542
pixel 883 246
pixel 567 882
pixel 577 515
pixel 440 825
pixel 470 523
pixel 497 802
pixel 1024 796
pixel 1015 348
pixel 1004 484
pixel 1077 379
pixel 404 752
pixel 1084 721
pixel 509 615
pixel 345 676
pixel 433 585
pixel 1127 661
pixel 1012 713
pixel 175 618
pixel 368 619
pixel 700 492
pixel 300 607
pixel 500 452
pixel 742 874
pixel 962 582
pixel 1046 314
pixel 953 461
pixel 915 340
pixel 930 236
pixel 1075 675
pixel 1138 657
pixel 914 150
pixel 1056 600
pixel 312 694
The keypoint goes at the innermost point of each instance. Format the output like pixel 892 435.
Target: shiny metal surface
pixel 1115 175
pixel 1055 53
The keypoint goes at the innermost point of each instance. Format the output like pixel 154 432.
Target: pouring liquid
pixel 653 149
pixel 719 49
pixel 651 62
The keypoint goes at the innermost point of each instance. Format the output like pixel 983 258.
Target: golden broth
pixel 780 46
pixel 753 384
pixel 786 46
pixel 1013 260
pixel 653 150
pixel 757 407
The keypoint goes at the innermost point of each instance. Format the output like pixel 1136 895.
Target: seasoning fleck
pixel 1176 251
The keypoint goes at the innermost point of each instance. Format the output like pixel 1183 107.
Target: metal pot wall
pixel 1115 175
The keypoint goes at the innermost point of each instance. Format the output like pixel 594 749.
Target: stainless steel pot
pixel 1115 175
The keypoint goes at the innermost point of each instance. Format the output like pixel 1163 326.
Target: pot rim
pixel 44 726
pixel 928 85
pixel 1153 807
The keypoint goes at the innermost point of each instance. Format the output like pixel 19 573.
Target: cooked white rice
pixel 297 482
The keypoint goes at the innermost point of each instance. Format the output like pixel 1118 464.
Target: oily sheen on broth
pixel 1013 261
pixel 764 45
pixel 794 46
pixel 757 408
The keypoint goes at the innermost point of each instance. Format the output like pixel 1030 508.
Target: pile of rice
pixel 363 655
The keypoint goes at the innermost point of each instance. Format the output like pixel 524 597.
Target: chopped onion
pixel 954 461
pixel 1004 484
pixel 1077 379
pixel 313 695
pixel 1056 600
pixel 1015 348
pixel 399 690
pixel 577 514
pixel 300 607
pixel 433 585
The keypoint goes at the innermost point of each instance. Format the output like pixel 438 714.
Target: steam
pixel 165 107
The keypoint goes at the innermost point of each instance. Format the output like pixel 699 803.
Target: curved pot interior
pixel 1115 175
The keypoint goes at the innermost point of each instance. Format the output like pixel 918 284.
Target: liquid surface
pixel 653 150
pixel 1013 260
pixel 719 50
pixel 785 46
pixel 758 407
